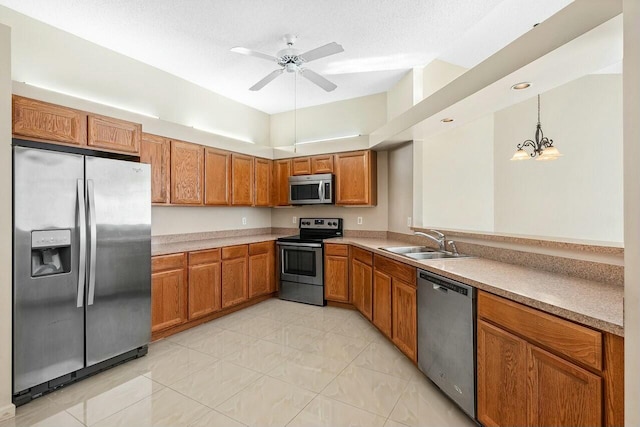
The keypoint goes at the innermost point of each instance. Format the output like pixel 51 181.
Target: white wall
pixel 457 170
pixel 631 212
pixel 6 225
pixel 580 195
pixel 400 97
pixel 438 74
pixel 373 218
pixel 52 58
pixel 400 188
pixel 353 116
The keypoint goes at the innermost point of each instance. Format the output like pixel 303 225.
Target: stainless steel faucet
pixel 452 247
pixel 440 240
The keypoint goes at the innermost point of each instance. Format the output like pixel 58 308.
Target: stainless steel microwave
pixel 311 189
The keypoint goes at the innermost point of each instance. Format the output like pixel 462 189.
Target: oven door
pixel 301 263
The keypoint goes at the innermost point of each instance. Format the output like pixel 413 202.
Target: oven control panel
pixel 321 223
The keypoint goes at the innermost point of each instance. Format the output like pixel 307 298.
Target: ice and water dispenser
pixel 50 252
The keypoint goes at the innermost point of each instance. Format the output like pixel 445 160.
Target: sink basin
pixel 432 255
pixel 404 250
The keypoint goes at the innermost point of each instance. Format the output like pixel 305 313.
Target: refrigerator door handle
pixel 82 221
pixel 92 251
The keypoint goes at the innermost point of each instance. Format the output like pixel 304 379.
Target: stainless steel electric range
pixel 301 260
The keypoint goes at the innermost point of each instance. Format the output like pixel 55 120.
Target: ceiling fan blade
pixel 249 52
pixel 262 83
pixel 318 79
pixel 322 51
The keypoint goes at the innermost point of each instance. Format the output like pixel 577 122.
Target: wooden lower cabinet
pixel 234 275
pixel 405 322
pixel 382 302
pixel 168 291
pixel 261 268
pixel 502 377
pixel 336 272
pixel 545 374
pixel 362 287
pixel 204 283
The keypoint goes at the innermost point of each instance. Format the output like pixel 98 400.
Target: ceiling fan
pixel 291 60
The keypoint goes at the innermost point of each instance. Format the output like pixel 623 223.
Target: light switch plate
pixel 295 220
pixel 359 220
pixel 408 221
pixel 244 220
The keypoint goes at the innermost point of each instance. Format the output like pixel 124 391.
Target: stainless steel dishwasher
pixel 446 337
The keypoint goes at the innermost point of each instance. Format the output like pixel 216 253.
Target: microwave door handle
pixel 321 191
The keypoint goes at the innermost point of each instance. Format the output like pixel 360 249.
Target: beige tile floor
pixel 273 364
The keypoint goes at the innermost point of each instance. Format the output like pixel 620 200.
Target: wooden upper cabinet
pixel 561 393
pixel 301 166
pixel 49 122
pixel 263 177
pixel 404 310
pixel 241 180
pixel 187 173
pixel 322 164
pixel 502 377
pixel 156 151
pixel 281 174
pixel 217 177
pixel 107 133
pixel 356 178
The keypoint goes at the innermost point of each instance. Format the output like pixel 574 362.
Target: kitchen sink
pixel 404 250
pixel 421 252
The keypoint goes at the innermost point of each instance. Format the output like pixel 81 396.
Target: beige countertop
pixel 196 245
pixel 594 304
pixel 590 303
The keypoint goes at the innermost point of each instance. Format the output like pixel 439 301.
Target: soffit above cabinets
pixel 583 38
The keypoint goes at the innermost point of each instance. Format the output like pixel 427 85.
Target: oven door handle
pixel 300 245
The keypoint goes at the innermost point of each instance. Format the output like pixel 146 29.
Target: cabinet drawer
pixel 260 248
pixel 337 250
pixel 168 262
pixel 362 255
pixel 396 269
pixel 204 257
pixel 576 342
pixel 231 252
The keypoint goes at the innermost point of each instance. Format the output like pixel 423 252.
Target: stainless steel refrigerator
pixel 82 266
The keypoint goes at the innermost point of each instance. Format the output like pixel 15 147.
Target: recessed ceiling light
pixel 521 85
pixel 447 120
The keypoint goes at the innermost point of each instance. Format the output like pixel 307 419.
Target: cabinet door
pixel 322 164
pixel 382 302
pixel 217 177
pixel 112 134
pixel 356 178
pixel 362 282
pixel 336 278
pixel 168 299
pixel 187 173
pixel 405 330
pixel 234 281
pixel 561 393
pixel 41 120
pixel 204 289
pixel 502 377
pixel 260 274
pixel 263 175
pixel 241 180
pixel 281 173
pixel 301 166
pixel 156 151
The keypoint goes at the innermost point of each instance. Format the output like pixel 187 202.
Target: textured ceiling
pixel 382 38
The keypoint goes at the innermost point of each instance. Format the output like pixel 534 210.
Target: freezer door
pixel 118 309
pixel 48 325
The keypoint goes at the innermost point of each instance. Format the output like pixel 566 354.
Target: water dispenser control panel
pixel 50 238
pixel 50 252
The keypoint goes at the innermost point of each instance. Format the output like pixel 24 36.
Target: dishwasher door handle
pixel 440 288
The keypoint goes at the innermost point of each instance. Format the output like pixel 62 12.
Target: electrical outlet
pixel 408 221
pixel 295 220
pixel 244 220
pixel 359 220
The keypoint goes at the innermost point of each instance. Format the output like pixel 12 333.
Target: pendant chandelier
pixel 542 147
